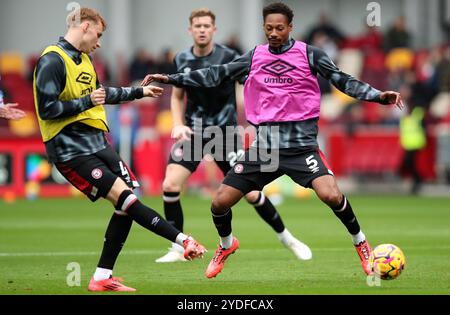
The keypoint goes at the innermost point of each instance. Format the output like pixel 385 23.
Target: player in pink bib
pixel 282 100
pixel 281 86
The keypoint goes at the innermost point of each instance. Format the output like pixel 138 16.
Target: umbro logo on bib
pixel 278 67
pixel 85 78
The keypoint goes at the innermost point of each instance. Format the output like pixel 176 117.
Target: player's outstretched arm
pixel 321 63
pixel 207 77
pixel 149 78
pixel 8 111
pixel 392 98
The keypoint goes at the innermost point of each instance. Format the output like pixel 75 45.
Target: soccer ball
pixel 387 261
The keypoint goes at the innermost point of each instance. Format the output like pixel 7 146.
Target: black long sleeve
pixel 122 94
pixel 214 75
pixel 50 82
pixel 319 61
pixel 322 64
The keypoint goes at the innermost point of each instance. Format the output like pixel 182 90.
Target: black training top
pixel 214 106
pixel 290 134
pixel 76 139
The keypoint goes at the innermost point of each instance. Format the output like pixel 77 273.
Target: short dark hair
pixel 201 13
pixel 278 7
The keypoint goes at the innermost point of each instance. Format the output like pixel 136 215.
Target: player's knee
pixel 331 197
pixel 219 203
pixel 170 185
pixel 255 197
pixel 171 197
pixel 217 206
pixel 126 199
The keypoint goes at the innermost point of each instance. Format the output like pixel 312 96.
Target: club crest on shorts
pixel 238 168
pixel 96 173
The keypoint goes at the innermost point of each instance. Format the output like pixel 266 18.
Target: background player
pixel 9 111
pixel 281 91
pixel 210 109
pixel 69 104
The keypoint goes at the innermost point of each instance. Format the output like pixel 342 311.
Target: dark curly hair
pixel 278 7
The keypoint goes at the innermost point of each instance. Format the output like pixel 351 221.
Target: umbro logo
pixel 84 77
pixel 278 67
pixel 155 221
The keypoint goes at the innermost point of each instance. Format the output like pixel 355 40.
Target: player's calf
pixel 151 220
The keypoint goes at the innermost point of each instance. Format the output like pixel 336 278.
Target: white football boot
pixel 300 250
pixel 175 253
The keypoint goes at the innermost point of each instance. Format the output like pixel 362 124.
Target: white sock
pixel 102 274
pixel 358 238
pixel 181 237
pixel 226 241
pixel 285 236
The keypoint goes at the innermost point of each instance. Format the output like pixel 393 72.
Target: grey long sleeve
pixel 214 75
pixel 320 63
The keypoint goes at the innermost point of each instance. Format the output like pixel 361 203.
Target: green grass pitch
pixel 40 238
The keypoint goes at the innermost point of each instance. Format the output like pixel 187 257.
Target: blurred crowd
pixel 386 60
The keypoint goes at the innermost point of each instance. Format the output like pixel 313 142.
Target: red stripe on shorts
pixel 132 176
pixel 324 160
pixel 75 179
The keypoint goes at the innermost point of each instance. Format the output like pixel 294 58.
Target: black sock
pixel 151 220
pixel 116 234
pixel 268 212
pixel 173 210
pixel 222 222
pixel 345 213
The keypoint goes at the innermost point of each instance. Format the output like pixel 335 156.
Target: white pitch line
pixel 131 252
pixel 158 251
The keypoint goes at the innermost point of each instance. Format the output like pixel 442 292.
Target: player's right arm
pixel 118 95
pixel 50 82
pixel 180 131
pixel 209 77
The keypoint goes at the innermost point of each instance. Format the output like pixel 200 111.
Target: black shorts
pixel 225 148
pixel 301 166
pixel 95 174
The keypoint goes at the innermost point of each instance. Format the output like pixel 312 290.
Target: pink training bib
pixel 281 87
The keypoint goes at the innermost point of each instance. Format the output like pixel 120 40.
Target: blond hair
pixel 202 12
pixel 85 14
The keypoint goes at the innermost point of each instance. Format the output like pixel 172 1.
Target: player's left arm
pixel 322 64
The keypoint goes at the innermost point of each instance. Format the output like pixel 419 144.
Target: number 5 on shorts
pixel 312 164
